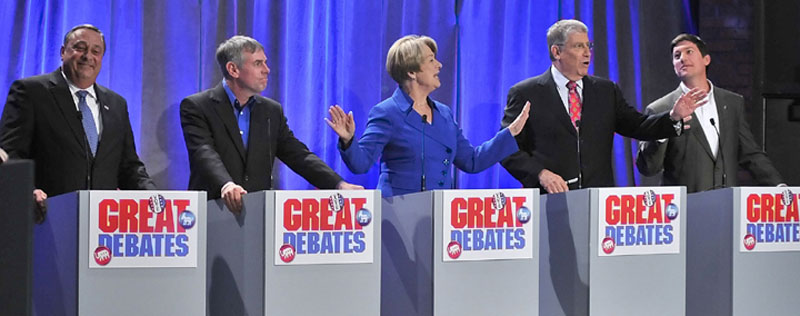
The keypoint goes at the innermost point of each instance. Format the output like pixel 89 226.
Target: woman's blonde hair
pixel 405 56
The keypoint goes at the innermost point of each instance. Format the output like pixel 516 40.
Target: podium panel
pixel 461 252
pixel 121 253
pixel 747 250
pixel 613 251
pixel 16 236
pixel 296 253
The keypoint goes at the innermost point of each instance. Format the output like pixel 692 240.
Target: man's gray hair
pixel 231 51
pixel 558 33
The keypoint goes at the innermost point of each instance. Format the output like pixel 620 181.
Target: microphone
pixel 580 166
pixel 85 147
pixel 720 153
pixel 424 122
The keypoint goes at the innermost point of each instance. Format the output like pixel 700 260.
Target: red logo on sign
pixel 608 245
pixel 454 249
pixel 102 255
pixel 286 253
pixel 749 242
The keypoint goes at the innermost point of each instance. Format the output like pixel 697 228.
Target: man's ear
pixel 555 51
pixel 412 75
pixel 232 69
pixel 707 60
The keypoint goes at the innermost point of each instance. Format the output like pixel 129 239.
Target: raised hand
pixel 516 126
pixel 687 103
pixel 341 123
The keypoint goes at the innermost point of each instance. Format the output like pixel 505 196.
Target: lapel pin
pixel 105 107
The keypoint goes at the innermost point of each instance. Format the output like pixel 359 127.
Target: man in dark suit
pixel 233 134
pixel 77 131
pixel 568 105
pixel 708 155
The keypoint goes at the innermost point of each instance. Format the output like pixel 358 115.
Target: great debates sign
pixel 639 221
pixel 769 219
pixel 137 229
pixel 488 224
pixel 324 227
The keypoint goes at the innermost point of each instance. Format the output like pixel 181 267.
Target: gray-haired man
pixel 233 134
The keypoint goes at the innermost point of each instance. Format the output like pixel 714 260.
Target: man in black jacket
pixel 233 134
pixel 77 132
pixel 567 102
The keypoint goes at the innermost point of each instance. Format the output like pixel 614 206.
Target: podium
pixel 744 253
pixel 295 253
pixel 613 251
pixel 461 252
pixel 16 236
pixel 121 253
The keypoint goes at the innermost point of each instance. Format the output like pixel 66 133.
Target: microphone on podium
pixel 720 153
pixel 580 166
pixel 422 179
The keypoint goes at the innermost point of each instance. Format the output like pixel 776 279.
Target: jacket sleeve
pixel 650 158
pixel 523 164
pixel 301 160
pixel 203 158
pixel 360 156
pixel 16 126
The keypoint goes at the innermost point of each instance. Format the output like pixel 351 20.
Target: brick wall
pixel 727 27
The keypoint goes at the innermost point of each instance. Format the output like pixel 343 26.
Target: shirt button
pixel 441 183
pixel 444 172
pixel 446 162
pixel 241 132
pixel 449 150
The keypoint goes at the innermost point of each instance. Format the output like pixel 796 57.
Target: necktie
pixel 574 102
pixel 88 121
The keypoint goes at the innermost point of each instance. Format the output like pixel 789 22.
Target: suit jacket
pixel 41 122
pixel 688 160
pixel 216 150
pixel 549 141
pixel 395 132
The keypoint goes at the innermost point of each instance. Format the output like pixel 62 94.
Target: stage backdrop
pixel 333 52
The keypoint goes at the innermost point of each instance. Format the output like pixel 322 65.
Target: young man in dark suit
pixel 233 134
pixel 708 156
pixel 567 103
pixel 77 132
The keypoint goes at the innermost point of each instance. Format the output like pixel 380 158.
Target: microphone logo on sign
pixel 336 202
pixel 498 201
pixel 787 197
pixel 649 198
pixel 157 203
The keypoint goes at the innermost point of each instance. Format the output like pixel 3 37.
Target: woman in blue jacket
pixel 408 125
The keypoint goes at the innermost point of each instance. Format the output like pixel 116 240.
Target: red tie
pixel 574 102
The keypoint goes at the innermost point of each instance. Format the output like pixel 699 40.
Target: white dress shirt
pixel 704 114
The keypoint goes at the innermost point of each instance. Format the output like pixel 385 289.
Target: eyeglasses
pixel 581 46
